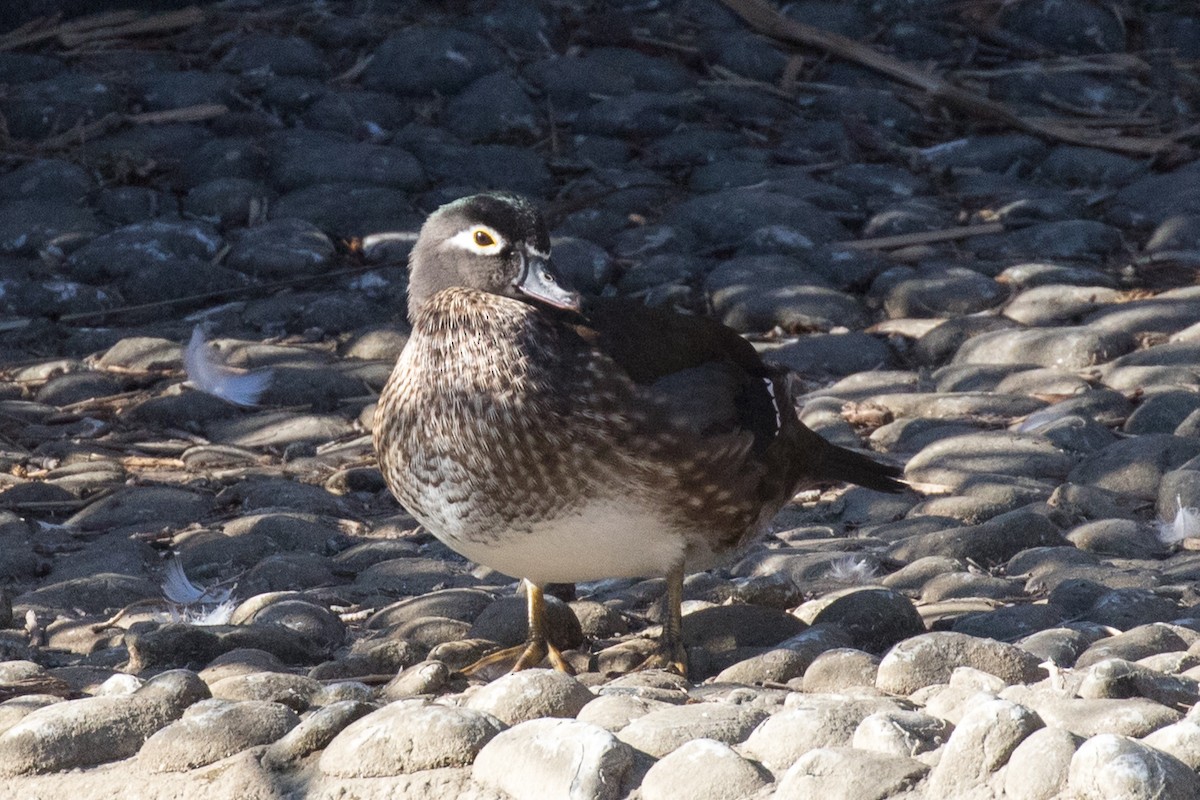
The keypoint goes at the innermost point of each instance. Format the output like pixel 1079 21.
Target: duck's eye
pixel 483 238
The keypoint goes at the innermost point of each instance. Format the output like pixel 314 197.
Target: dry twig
pixel 923 237
pixel 758 14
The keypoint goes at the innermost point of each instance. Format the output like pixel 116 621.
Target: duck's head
pixel 495 243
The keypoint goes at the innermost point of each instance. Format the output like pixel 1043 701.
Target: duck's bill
pixel 540 282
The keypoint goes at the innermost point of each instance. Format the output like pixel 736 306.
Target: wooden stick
pixel 766 20
pixel 923 237
pixel 34 32
pixel 198 113
pixel 158 23
pixel 80 133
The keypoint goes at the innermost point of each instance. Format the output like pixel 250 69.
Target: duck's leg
pixel 537 646
pixel 671 654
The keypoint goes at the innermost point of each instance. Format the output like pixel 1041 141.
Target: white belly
pixel 606 539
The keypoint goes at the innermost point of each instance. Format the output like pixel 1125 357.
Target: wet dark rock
pixel 1162 412
pixel 726 217
pixel 956 459
pixel 227 201
pixel 1120 538
pixel 991 542
pixel 1053 304
pixel 142 505
pixel 759 292
pixel 179 643
pixel 46 180
pixel 76 386
pixel 492 108
pixel 968 584
pixel 943 341
pixel 317 623
pixel 159 91
pixel 287 572
pixel 424 60
pixel 459 604
pixel 1071 165
pixel 28 226
pixel 1037 273
pixel 363 115
pixel 586 266
pixel 1008 623
pixel 300 161
pixel 504 622
pixel 1124 609
pixel 1084 240
pixel 875 618
pixel 40 108
pixel 143 246
pixel 1068 27
pixel 487 166
pixel 994 153
pixel 344 209
pixel 259 54
pixel 1155 198
pixel 1135 466
pixel 831 354
pixel 744 53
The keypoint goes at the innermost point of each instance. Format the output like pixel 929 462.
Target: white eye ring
pixel 466 240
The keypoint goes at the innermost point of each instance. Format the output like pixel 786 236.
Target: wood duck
pixel 557 439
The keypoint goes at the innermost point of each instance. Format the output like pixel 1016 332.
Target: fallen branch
pixel 36 30
pixel 113 120
pixel 766 20
pixel 199 113
pixel 17 323
pixel 923 237
pixel 158 23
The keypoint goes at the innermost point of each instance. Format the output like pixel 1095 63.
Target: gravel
pixel 198 597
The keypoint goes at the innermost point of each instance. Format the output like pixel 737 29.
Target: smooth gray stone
pixel 1038 768
pixel 725 774
pixel 564 758
pixel 212 730
pixel 844 773
pixel 408 736
pixel 811 722
pixel 96 730
pixel 1110 766
pixel 1062 347
pixel 531 694
pixel 980 745
pixel 931 657
pixel 662 731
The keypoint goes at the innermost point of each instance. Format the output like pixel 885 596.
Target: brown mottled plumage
pixel 561 442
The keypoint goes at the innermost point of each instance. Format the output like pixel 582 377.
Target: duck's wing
pixel 709 374
pixel 716 380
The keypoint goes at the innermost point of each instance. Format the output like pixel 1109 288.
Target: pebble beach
pixel 971 230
